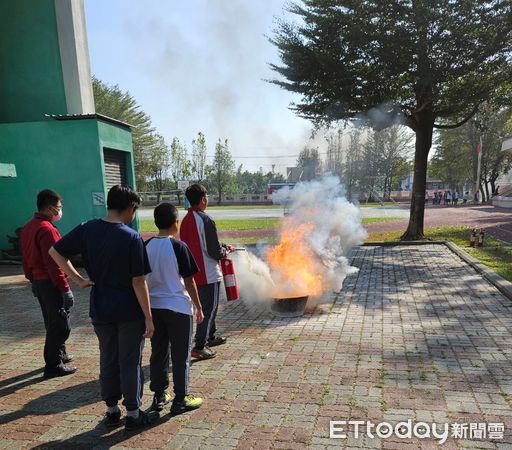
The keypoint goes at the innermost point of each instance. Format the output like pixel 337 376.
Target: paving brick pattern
pixel 416 334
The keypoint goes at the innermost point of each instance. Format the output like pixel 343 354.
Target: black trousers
pixel 57 327
pixel 209 297
pixel 121 346
pixel 174 329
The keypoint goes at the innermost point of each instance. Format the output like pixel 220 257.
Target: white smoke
pixel 336 230
pixel 253 277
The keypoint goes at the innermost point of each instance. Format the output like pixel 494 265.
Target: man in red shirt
pixel 49 282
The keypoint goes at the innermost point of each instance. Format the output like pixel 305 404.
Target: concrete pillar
pixel 74 54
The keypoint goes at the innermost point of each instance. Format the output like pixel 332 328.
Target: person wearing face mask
pixel 49 283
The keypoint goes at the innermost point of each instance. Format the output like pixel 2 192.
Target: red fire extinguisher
pixel 481 238
pixel 228 272
pixel 472 238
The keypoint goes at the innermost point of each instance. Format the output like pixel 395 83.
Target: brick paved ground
pixel 416 335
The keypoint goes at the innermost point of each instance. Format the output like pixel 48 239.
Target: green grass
pixel 366 220
pixel 148 226
pixel 269 223
pixel 494 254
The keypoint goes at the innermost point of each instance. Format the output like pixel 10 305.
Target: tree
pixel 199 157
pixel 221 172
pixel 309 161
pixel 159 165
pixel 351 167
pixel 394 144
pixel 370 166
pixel 426 63
pixel 334 159
pixel 455 160
pixel 180 165
pixel 111 101
pixel 491 125
pixel 255 182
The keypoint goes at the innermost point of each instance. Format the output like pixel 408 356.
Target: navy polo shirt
pixel 113 254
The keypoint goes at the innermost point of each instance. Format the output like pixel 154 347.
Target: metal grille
pixel 115 167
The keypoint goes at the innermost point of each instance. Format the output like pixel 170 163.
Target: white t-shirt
pixel 170 261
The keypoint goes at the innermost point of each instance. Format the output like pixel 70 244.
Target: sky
pixel 200 65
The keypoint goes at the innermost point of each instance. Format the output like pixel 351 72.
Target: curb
pixel 504 286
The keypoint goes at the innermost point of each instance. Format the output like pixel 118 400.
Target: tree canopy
pixel 455 160
pixel 148 146
pixel 310 162
pixel 425 63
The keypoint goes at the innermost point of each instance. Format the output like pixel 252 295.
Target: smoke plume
pixel 310 257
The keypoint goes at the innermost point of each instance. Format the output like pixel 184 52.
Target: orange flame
pixel 292 262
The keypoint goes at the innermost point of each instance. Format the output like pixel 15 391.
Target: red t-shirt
pixel 37 237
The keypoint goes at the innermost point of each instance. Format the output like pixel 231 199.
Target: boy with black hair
pixel 173 297
pixel 48 281
pixel 199 232
pixel 115 259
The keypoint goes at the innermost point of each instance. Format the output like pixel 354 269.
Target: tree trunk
pixel 424 130
pixel 488 197
pixel 482 193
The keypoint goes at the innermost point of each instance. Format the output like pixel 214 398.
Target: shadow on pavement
pixel 13 384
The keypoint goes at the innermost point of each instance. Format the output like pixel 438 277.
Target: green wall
pixel 31 81
pixel 66 156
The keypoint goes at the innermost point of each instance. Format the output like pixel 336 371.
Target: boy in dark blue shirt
pixel 115 259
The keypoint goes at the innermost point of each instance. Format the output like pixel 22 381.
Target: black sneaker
pixel 60 371
pixel 217 340
pixel 160 400
pixel 203 353
pixel 112 419
pixel 144 419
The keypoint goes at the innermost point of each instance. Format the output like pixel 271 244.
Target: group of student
pixel 139 290
pixel 446 197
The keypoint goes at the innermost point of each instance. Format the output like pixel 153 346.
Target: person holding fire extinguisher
pixel 199 232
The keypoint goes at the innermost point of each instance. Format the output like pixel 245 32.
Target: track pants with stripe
pixel 121 346
pixel 172 328
pixel 209 297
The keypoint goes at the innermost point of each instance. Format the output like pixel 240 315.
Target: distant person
pixel 465 197
pixel 440 197
pixel 48 281
pixel 199 232
pixel 434 200
pixel 455 199
pixel 448 198
pixel 115 259
pixel 174 297
pixel 426 197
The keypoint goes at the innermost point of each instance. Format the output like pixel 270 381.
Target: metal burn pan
pixel 289 307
